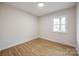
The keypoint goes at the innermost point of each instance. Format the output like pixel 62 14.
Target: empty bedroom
pixel 39 29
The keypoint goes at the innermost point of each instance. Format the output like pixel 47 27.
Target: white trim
pixel 15 44
pixel 57 41
pixel 60 23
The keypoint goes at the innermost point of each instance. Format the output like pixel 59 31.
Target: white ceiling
pixel 31 7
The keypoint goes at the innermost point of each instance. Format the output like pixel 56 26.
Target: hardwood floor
pixel 39 47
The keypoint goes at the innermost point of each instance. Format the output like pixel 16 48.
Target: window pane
pixel 63 29
pixel 56 20
pixel 56 28
pixel 63 20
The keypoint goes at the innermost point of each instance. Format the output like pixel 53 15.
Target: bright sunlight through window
pixel 59 24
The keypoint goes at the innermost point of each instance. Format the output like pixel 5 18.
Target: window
pixel 59 24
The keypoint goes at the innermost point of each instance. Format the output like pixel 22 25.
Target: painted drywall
pixel 16 26
pixel 46 27
pixel 77 27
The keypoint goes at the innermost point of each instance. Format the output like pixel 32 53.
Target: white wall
pixel 77 28
pixel 46 27
pixel 16 26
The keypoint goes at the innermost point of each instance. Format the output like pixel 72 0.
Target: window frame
pixel 60 17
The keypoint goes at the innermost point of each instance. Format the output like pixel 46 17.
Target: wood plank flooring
pixel 39 47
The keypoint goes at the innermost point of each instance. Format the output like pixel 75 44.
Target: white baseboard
pixel 15 44
pixel 57 41
pixel 29 40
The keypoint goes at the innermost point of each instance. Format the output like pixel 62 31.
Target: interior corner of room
pixel 20 23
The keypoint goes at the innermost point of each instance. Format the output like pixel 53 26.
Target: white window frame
pixel 60 24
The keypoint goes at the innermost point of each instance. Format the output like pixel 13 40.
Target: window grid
pixel 60 24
